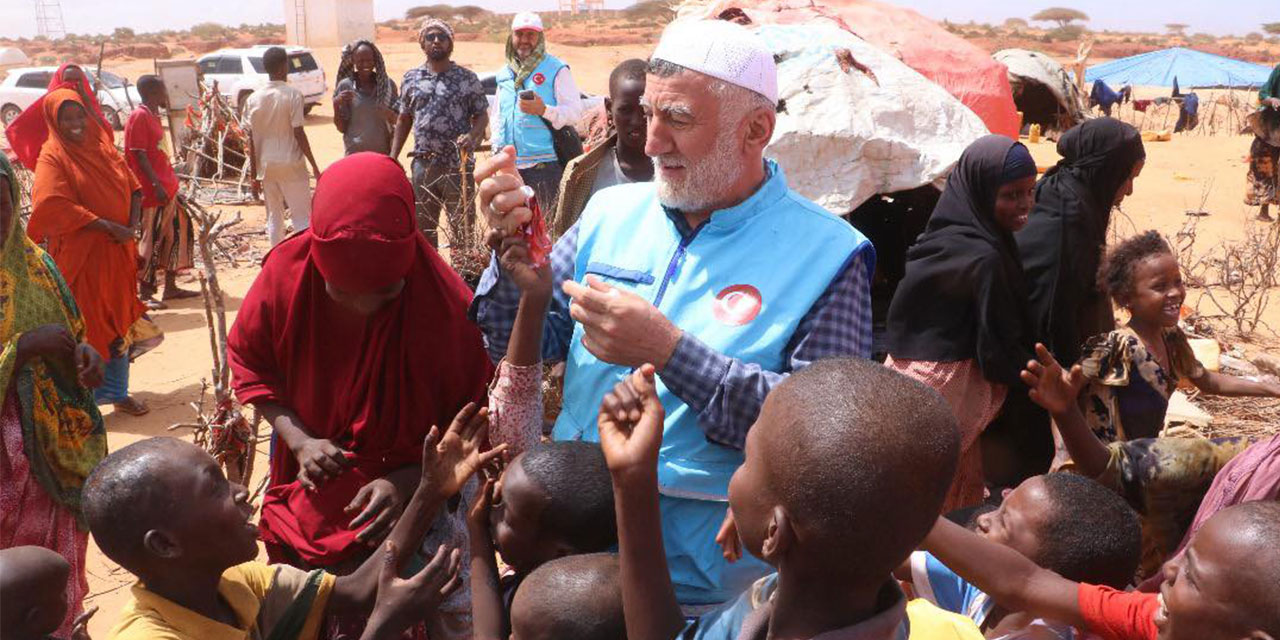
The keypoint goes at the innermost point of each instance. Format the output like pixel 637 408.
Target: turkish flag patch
pixel 737 305
pixel 538 78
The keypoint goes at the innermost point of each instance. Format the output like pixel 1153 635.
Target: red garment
pixel 1118 615
pixel 27 132
pixel 30 516
pixel 143 133
pixel 375 385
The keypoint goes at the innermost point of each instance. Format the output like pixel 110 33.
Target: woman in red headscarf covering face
pixel 353 342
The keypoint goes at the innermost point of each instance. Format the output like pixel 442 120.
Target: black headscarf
pixel 964 296
pixel 1062 244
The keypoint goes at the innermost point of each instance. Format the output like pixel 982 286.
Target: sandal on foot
pixel 133 407
pixel 179 294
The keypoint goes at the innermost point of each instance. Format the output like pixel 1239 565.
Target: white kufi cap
pixel 526 20
pixel 723 50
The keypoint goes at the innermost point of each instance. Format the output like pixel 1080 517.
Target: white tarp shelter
pixel 845 134
pixel 1042 89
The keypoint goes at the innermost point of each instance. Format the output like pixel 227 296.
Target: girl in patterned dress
pixel 1132 371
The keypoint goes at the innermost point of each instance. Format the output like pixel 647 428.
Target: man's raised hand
pixel 503 200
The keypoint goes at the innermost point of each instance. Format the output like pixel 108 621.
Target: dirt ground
pixel 1179 175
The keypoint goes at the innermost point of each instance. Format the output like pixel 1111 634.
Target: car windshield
pixel 111 80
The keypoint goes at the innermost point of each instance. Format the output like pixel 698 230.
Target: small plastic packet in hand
pixel 535 231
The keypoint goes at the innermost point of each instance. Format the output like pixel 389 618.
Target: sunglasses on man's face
pixel 436 37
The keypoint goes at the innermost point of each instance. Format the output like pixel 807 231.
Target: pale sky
pixel 17 17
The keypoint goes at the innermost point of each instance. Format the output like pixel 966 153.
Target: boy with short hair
pixel 1061 521
pixel 166 229
pixel 33 595
pixel 1223 588
pixel 846 467
pixel 277 147
pixel 162 509
pixel 571 598
pixel 556 500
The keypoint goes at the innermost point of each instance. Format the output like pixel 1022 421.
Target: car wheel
pixel 113 118
pixel 9 113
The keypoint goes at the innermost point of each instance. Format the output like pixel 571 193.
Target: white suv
pixel 239 72
pixel 24 85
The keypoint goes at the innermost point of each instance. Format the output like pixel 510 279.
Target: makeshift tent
pixel 856 122
pixel 1042 89
pixel 963 69
pixel 11 57
pixel 1192 69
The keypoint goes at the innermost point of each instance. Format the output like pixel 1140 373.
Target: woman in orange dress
pixel 85 206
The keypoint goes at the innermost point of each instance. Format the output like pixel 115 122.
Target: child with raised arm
pixel 162 509
pixel 1224 588
pixel 1123 385
pixel 556 498
pixel 845 469
pixel 1063 522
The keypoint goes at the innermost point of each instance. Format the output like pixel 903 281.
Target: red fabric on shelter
pixel 955 64
pixel 373 385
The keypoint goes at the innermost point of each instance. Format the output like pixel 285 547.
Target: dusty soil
pixel 1193 172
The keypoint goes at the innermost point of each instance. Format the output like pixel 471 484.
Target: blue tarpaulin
pixel 1190 68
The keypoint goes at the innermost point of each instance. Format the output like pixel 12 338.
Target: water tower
pixel 327 23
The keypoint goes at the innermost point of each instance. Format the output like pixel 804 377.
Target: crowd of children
pixel 846 491
pixel 846 471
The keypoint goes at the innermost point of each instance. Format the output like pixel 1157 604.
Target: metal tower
pixel 300 22
pixel 49 19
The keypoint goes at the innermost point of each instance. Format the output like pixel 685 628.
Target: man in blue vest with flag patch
pixel 536 93
pixel 717 273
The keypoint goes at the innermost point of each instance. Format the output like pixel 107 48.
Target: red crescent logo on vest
pixel 737 305
pixel 538 78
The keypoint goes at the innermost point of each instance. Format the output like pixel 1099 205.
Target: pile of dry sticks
pixel 222 429
pixel 214 158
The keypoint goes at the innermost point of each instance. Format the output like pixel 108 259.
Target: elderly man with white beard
pixel 716 273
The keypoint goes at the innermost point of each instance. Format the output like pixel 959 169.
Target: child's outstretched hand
pixel 403 602
pixel 515 259
pixel 449 460
pixel 630 424
pixel 478 514
pixel 727 538
pixel 80 626
pixel 1052 387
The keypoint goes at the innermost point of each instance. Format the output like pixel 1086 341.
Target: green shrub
pixel 208 30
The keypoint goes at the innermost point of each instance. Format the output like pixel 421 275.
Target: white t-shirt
pixel 272 113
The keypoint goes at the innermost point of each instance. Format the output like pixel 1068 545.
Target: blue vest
pixel 741 284
pixel 528 133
